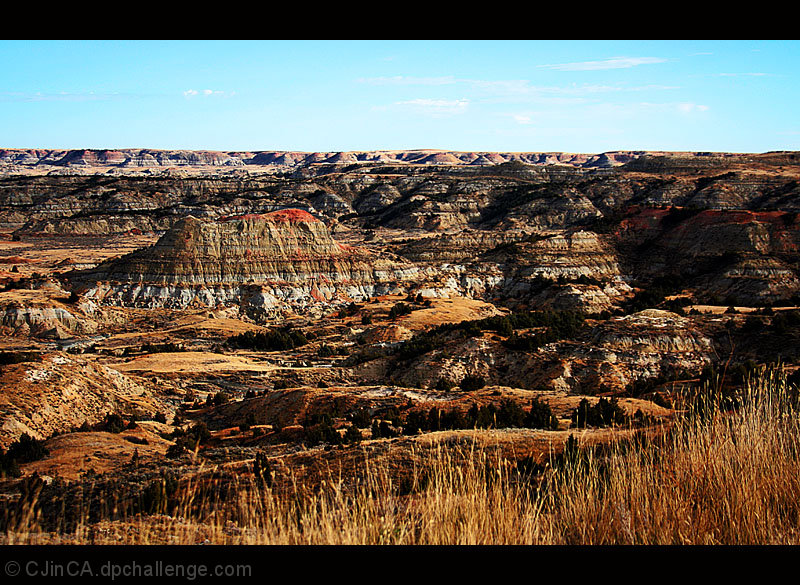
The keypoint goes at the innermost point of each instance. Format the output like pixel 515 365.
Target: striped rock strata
pixel 259 262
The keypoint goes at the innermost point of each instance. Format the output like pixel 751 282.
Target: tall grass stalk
pixel 716 476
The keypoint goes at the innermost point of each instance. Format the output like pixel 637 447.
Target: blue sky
pixel 572 96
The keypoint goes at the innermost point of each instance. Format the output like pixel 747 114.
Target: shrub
pixel 361 418
pixel 191 439
pixel 510 414
pixel 27 449
pixel 382 430
pixel 271 340
pixel 352 435
pixel 604 413
pixel 113 423
pixel 323 433
pixel 8 465
pixel 541 416
pixel 162 348
pixel 399 310
pixel 218 399
pixel 175 451
pixel 472 383
pixel 349 311
pixel 444 384
pixel 415 422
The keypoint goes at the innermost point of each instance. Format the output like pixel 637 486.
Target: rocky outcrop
pixel 640 161
pixel 494 226
pixel 259 261
pixel 44 322
pixel 149 158
pixel 61 392
pixel 610 356
pixel 750 255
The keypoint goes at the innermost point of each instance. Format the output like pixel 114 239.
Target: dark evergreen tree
pixel 113 423
pixel 472 383
pixel 415 422
pixel 361 418
pixel 352 434
pixel 510 414
pixel 541 416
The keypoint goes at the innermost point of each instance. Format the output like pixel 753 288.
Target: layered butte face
pixel 256 259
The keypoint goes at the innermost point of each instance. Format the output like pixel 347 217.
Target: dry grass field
pixel 719 475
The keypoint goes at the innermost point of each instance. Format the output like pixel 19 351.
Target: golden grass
pixel 724 478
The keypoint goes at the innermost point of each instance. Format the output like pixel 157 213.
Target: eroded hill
pixel 176 312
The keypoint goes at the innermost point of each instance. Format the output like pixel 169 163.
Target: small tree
pixel 221 398
pixel 581 415
pixel 352 434
pixel 415 422
pixel 399 310
pixel 113 423
pixel 472 383
pixel 444 384
pixel 325 350
pixel 510 414
pixel 361 418
pixel 381 430
pixel 541 416
pixel 8 466
pixel 604 413
pixel 27 449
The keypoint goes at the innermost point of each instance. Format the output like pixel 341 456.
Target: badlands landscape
pixel 398 347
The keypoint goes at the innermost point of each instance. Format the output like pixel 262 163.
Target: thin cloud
pixel 612 63
pixel 688 108
pixel 434 103
pixel 190 93
pixel 435 106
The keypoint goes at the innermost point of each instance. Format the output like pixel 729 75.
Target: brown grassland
pixel 725 472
